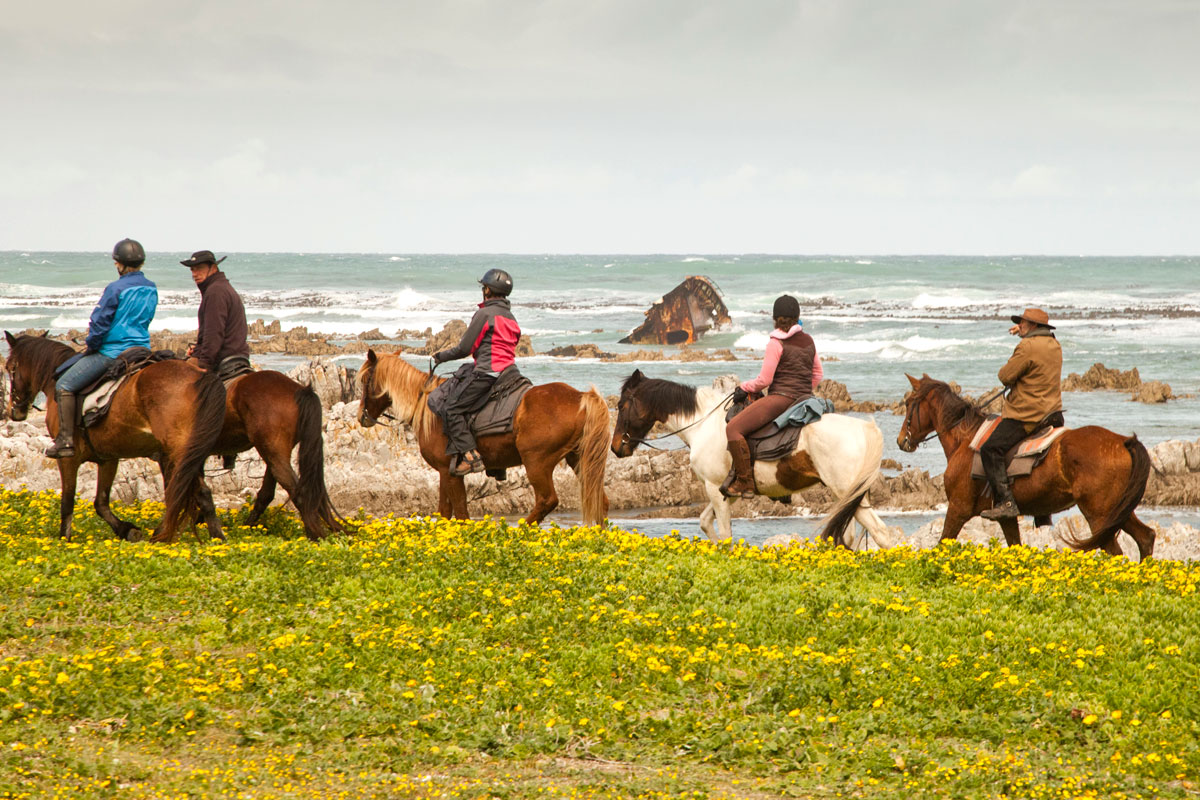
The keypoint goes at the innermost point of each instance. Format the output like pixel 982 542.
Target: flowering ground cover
pixel 434 658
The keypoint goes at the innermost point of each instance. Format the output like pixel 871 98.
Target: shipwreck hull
pixel 682 315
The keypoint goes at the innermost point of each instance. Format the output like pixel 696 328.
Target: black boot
pixel 742 473
pixel 64 443
pixel 1003 504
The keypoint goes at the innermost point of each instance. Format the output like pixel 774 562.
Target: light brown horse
pixel 170 410
pixel 553 422
pixel 272 413
pixel 1102 472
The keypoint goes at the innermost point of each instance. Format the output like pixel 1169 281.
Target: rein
pixel 648 441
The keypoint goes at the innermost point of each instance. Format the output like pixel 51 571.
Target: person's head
pixel 203 265
pixel 496 283
pixel 128 255
pixel 786 312
pixel 1030 320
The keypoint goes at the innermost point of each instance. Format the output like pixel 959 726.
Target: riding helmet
pixel 786 306
pixel 499 281
pixel 129 252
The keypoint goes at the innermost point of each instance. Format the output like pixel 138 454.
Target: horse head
pixel 634 418
pixel 375 401
pixel 918 418
pixel 31 362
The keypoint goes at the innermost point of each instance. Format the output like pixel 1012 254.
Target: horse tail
pixel 593 457
pixel 847 506
pixel 312 497
pixel 1131 495
pixel 187 474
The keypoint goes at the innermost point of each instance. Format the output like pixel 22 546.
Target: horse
pixel 841 452
pixel 272 413
pixel 169 410
pixel 1102 472
pixel 553 422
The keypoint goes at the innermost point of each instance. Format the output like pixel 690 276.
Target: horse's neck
pixel 955 436
pixel 692 425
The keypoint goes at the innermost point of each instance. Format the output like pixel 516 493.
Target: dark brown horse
pixel 553 422
pixel 170 410
pixel 1100 471
pixel 272 413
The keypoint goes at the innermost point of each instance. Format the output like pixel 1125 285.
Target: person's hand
pixel 437 357
pixel 1014 330
pixel 740 395
pixel 190 351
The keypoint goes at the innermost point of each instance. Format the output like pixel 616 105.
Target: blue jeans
pixel 83 372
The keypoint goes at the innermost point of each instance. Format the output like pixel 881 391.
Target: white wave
pixel 409 298
pixel 18 317
pixel 399 258
pixel 691 259
pixel 864 262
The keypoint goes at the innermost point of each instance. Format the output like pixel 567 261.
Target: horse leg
pixel 955 519
pixel 106 473
pixel 540 472
pixel 866 516
pixel 706 522
pixel 722 509
pixel 1142 533
pixel 456 491
pixel 444 508
pixel 1042 521
pixel 266 493
pixel 68 471
pixel 1012 531
pixel 209 510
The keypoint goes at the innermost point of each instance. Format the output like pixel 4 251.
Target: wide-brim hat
pixel 203 257
pixel 1036 316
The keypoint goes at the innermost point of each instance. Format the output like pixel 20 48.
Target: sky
pixel 606 126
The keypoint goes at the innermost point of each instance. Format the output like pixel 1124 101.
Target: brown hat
pixel 1036 316
pixel 203 257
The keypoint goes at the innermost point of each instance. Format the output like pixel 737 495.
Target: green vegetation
pixel 433 658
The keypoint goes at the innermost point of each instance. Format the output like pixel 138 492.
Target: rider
pixel 491 338
pixel 222 317
pixel 120 320
pixel 790 372
pixel 1033 376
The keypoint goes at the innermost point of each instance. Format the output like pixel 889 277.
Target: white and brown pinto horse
pixel 838 451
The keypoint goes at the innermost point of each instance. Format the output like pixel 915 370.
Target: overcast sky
pixel 810 126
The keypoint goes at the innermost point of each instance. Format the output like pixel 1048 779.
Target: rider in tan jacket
pixel 1033 376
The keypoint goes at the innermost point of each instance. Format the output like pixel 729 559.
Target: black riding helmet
pixel 499 281
pixel 129 252
pixel 786 306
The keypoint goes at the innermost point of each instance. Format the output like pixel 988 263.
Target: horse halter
pixel 909 445
pixel 368 392
pixel 649 441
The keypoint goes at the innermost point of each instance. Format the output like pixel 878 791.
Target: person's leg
pixel 81 373
pixel 1006 436
pixel 472 395
pixel 757 414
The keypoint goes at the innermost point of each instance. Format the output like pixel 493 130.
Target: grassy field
pixel 429 658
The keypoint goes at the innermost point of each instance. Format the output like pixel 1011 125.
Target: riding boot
pixel 1003 504
pixel 742 473
pixel 64 443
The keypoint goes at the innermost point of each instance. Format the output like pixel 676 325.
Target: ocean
pixel 874 318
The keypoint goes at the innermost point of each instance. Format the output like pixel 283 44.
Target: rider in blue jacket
pixel 120 320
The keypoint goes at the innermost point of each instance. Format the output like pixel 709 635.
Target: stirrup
pixel 57 450
pixel 467 466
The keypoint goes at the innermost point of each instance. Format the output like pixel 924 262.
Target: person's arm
pixel 212 331
pixel 767 374
pixel 818 370
pixel 102 318
pixel 470 340
pixel 1017 365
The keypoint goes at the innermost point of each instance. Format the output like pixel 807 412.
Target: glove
pixel 740 395
pixel 437 357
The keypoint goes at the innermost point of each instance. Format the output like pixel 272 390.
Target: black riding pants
pixel 472 395
pixel 1008 434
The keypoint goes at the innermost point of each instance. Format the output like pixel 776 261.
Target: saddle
pixel 96 399
pixel 777 439
pixel 233 367
pixel 496 415
pixel 1020 460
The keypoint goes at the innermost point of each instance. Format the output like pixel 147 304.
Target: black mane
pixel 665 397
pixel 955 410
pixel 40 357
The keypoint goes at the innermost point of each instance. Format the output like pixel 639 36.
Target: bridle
pixel 368 392
pixel 912 417
pixel 626 439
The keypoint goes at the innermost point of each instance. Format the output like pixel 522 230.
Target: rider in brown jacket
pixel 1033 376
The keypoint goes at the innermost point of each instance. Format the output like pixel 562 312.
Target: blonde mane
pixel 409 389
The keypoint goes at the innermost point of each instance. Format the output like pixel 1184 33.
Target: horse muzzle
pixel 366 420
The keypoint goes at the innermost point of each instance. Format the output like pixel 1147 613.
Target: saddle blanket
pixel 777 439
pixel 1021 459
pixel 496 415
pixel 96 399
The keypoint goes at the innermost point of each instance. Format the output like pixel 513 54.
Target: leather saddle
pixel 770 442
pixel 96 399
pixel 1021 459
pixel 496 415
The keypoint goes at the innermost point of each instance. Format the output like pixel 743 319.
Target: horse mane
pixel 40 356
pixel 665 396
pixel 955 410
pixel 407 386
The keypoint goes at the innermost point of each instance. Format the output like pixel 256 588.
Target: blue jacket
pixel 122 317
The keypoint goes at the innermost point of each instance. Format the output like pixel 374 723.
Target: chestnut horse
pixel 553 422
pixel 1102 472
pixel 272 413
pixel 169 410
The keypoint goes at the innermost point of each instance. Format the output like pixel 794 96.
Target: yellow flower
pixel 1090 719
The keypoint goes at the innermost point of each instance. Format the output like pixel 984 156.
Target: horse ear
pixel 12 340
pixel 45 333
pixel 635 377
pixel 915 383
pixel 371 357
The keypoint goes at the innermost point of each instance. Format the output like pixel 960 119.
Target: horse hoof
pixel 134 534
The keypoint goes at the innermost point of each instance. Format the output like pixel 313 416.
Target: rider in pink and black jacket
pixel 491 337
pixel 790 373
